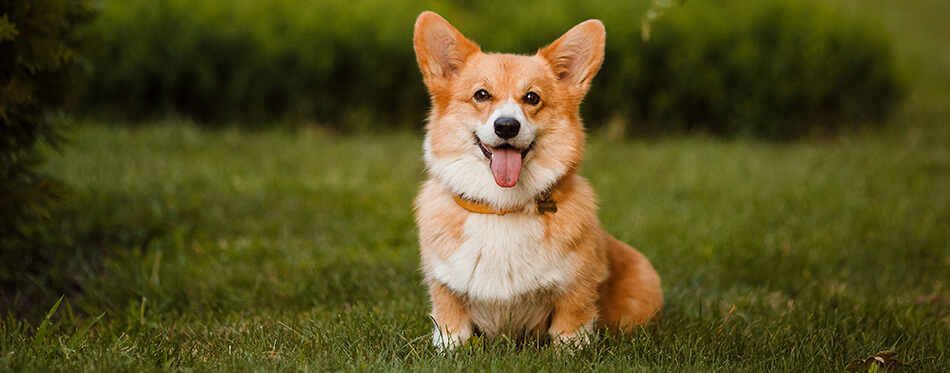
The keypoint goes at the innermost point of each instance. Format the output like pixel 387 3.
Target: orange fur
pixel 449 309
pixel 557 272
pixel 632 295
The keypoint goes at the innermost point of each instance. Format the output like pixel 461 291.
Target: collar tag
pixel 546 204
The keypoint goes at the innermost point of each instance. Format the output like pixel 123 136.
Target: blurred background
pixel 777 69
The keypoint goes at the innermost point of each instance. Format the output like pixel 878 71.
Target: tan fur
pixel 598 280
pixel 633 298
pixel 449 309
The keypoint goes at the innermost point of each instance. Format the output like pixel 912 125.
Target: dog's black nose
pixel 507 127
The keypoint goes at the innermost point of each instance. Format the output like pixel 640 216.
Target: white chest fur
pixel 502 258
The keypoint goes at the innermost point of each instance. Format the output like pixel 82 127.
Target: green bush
pixel 778 68
pixel 256 61
pixel 38 62
pixel 773 69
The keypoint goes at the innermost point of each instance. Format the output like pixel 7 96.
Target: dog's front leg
pixel 572 322
pixel 453 324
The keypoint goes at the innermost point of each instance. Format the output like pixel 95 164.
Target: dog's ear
pixel 440 49
pixel 576 56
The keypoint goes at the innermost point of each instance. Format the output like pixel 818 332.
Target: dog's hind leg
pixel 572 321
pixel 631 296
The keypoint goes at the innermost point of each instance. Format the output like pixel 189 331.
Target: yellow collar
pixel 544 201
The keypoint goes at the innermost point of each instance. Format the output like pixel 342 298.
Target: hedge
pixel 771 68
pixel 774 69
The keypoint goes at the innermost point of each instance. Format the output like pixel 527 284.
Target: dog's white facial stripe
pixel 526 135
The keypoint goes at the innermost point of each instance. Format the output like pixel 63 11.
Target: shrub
pixel 251 61
pixel 776 68
pixel 38 60
pixel 772 69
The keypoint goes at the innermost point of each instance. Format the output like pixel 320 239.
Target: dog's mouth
pixel 505 162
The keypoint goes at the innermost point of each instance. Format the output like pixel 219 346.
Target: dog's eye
pixel 482 95
pixel 531 98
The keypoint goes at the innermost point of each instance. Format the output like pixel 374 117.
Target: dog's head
pixel 504 128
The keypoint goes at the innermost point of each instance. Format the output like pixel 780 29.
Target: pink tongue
pixel 505 166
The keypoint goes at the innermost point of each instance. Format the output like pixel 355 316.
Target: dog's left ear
pixel 576 56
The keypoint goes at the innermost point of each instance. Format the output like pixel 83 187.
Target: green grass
pixel 281 250
pixel 295 250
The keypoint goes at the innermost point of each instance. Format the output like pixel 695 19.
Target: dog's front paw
pixel 575 339
pixel 446 341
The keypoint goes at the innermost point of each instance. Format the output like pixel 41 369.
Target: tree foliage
pixel 38 65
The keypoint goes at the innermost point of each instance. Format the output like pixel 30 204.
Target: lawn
pixel 233 249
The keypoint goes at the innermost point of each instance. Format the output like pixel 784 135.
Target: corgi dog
pixel 508 231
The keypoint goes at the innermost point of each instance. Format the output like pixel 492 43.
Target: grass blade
pixel 40 337
pixel 80 334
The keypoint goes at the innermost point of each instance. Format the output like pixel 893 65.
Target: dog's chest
pixel 502 258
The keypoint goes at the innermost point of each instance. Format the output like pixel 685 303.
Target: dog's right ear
pixel 440 49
